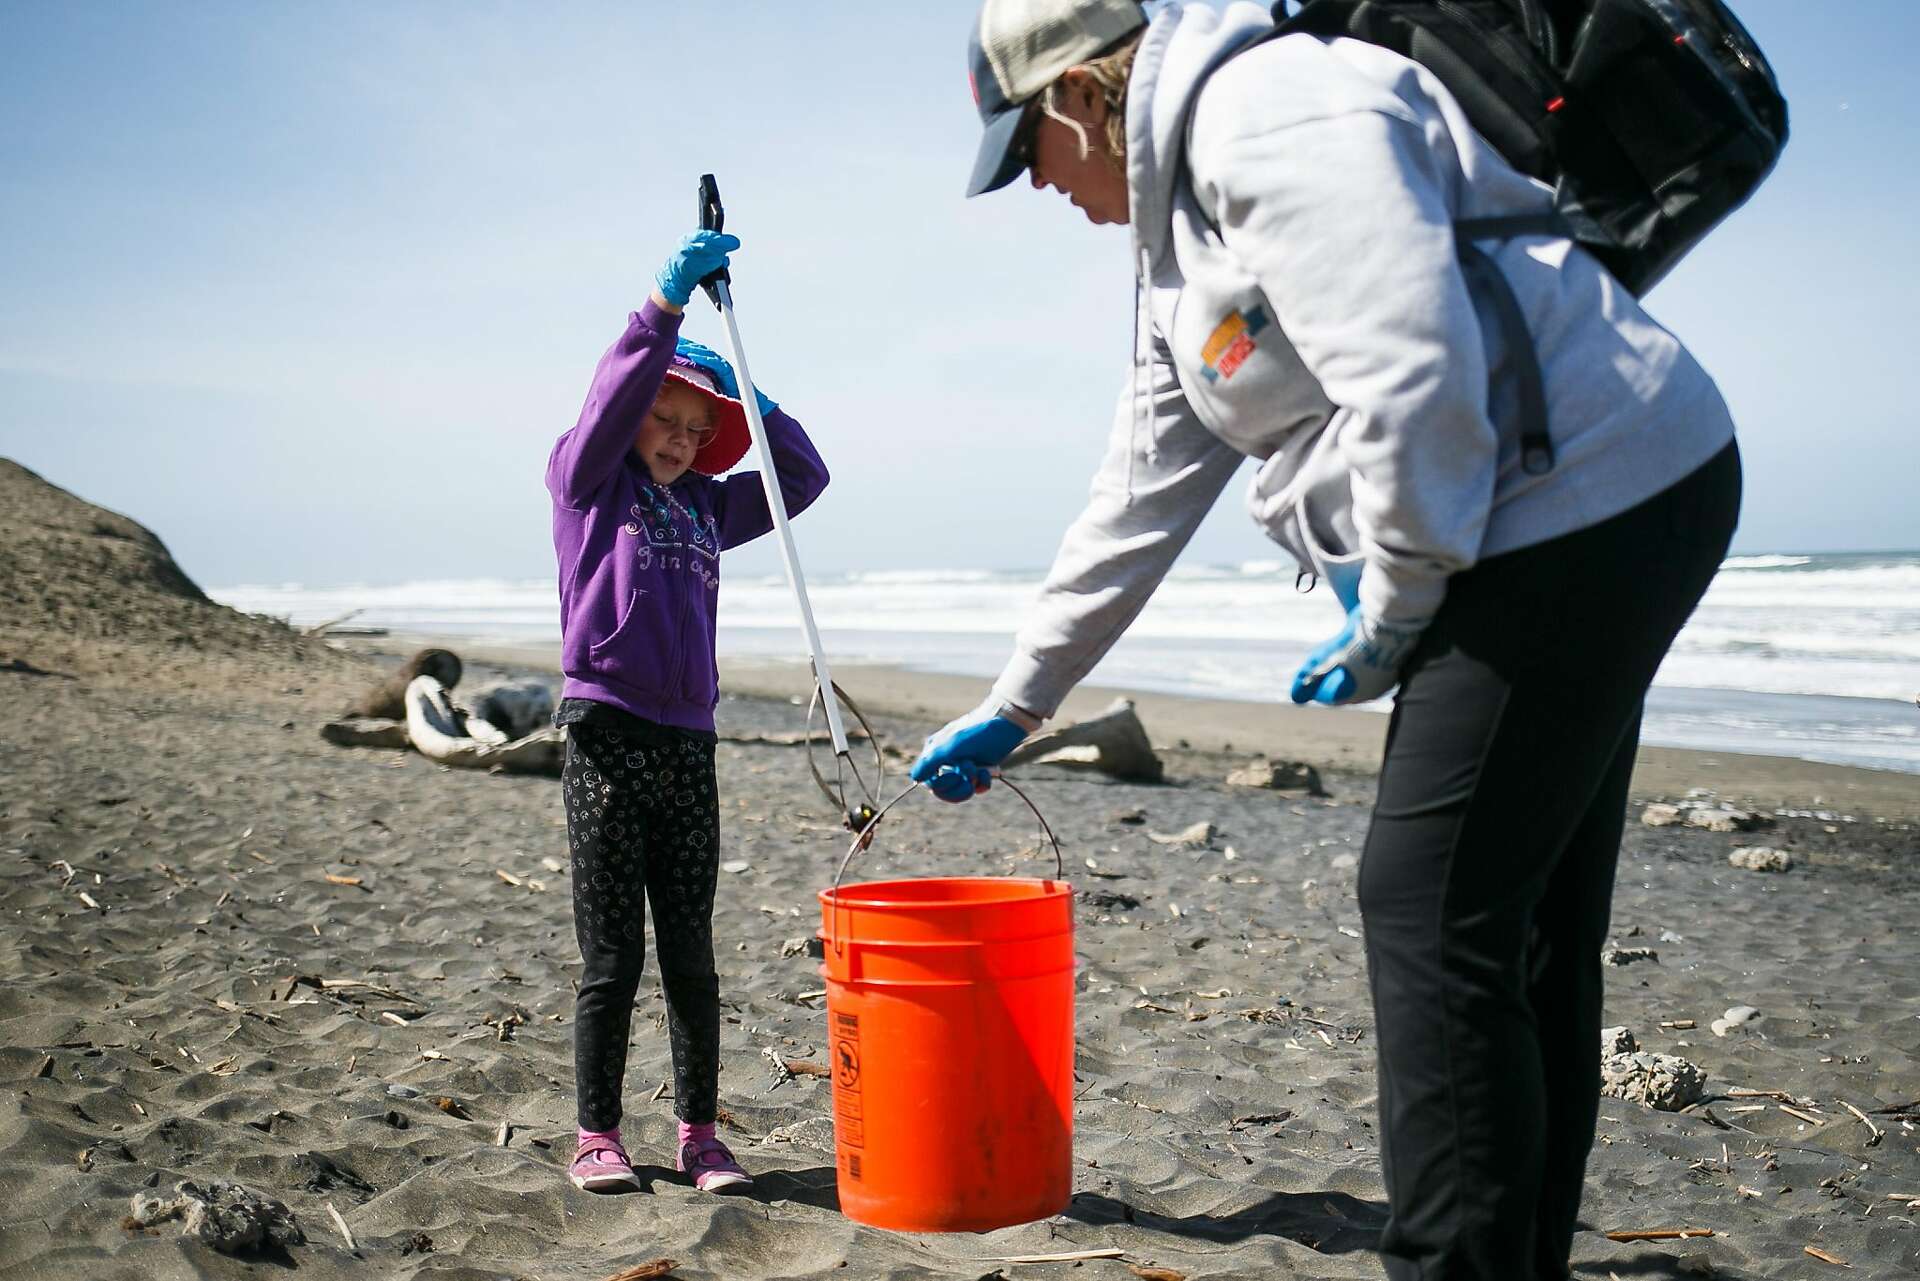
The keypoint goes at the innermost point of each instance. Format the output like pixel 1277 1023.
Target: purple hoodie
pixel 639 563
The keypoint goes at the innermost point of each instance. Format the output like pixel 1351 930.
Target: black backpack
pixel 1652 119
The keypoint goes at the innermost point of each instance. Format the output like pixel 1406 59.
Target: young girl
pixel 639 522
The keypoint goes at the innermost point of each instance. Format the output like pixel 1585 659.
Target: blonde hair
pixel 1110 72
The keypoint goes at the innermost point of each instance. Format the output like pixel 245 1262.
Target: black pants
pixel 1488 875
pixel 643 823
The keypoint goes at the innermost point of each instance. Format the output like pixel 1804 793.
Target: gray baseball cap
pixel 1018 48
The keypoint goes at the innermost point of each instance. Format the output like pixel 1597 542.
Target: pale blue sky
pixel 310 289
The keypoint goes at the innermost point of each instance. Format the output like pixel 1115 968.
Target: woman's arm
pixel 1161 475
pixel 1346 222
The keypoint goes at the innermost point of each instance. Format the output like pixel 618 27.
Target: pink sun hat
pixel 730 435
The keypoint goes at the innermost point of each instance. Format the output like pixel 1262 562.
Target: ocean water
pixel 1814 656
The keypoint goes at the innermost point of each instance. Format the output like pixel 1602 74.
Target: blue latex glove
pixel 1361 663
pixel 957 762
pixel 716 364
pixel 700 254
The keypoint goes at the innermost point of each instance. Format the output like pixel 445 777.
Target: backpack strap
pixel 1536 445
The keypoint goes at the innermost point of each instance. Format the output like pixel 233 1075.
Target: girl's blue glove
pixel 1361 663
pixel 957 762
pixel 701 253
pixel 716 364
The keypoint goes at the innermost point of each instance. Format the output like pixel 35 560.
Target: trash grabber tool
pixel 719 288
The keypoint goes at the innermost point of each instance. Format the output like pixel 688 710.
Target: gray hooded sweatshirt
pixel 1302 304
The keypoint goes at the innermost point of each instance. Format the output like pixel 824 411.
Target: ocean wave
pixel 1765 562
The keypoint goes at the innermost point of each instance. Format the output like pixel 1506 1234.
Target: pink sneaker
pixel 707 1159
pixel 600 1165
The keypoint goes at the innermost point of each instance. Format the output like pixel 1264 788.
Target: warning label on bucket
pixel 849 1116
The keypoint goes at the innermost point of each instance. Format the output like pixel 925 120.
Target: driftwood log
pixel 1114 742
pixel 507 710
pixel 388 699
pixel 437 730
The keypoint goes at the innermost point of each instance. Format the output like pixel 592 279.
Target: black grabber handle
pixel 713 217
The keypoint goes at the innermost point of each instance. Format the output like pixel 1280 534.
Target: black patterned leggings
pixel 643 822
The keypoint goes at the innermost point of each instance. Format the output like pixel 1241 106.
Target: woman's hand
pixel 699 255
pixel 1361 663
pixel 958 762
pixel 716 364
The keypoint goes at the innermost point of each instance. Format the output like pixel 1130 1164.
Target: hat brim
pixel 996 164
pixel 731 436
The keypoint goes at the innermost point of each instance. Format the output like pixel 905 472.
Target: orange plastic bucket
pixel 950 1022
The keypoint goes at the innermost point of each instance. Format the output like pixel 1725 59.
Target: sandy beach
pixel 185 994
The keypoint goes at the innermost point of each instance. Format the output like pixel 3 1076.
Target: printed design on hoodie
pixel 666 542
pixel 1232 341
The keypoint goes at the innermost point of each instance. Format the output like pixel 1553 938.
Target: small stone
pixel 1760 858
pixel 1278 776
pixel 734 866
pixel 1726 820
pixel 1130 817
pixel 1617 1040
pixel 1661 815
pixel 1345 862
pixel 1628 955
pixel 795 946
pixel 1737 1017
pixel 402 1091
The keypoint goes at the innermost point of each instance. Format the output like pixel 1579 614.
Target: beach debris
pixel 388 699
pixel 795 946
pixel 45 1069
pixel 1616 955
pixel 1195 836
pixel 1736 1017
pixel 1664 1082
pixel 1660 1234
pixel 340 1226
pixel 398 1091
pixel 810 1132
pixel 1069 1256
pixel 1109 901
pixel 366 731
pixel 1114 742
pixel 1760 858
pixel 645 1271
pixel 417 1243
pixel 504 1135
pixel 1617 1040
pixel 451 1106
pixel 1155 1274
pixel 437 731
pixel 1679 1025
pixel 734 866
pixel 333 879
pixel 1278 776
pixel 1874 1132
pixel 1131 816
pixel 1824 1257
pixel 1658 815
pixel 225 1216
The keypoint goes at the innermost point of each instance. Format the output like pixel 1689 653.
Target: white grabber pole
pixel 718 287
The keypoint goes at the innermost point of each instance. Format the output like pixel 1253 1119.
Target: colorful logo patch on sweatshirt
pixel 1232 341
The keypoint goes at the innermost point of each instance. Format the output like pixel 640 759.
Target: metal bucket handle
pixel 864 838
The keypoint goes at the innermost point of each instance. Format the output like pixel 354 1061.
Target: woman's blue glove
pixel 957 762
pixel 716 364
pixel 701 253
pixel 1361 663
